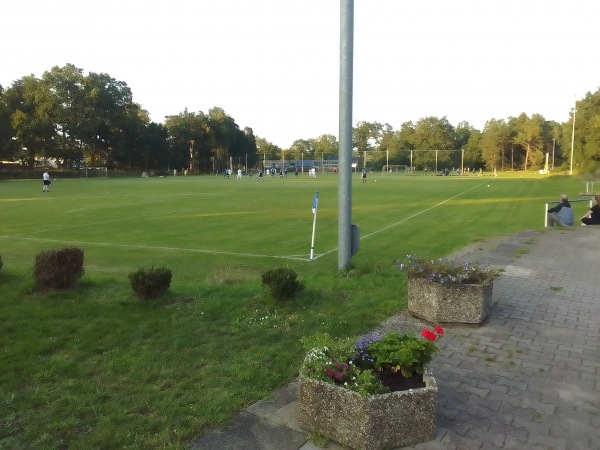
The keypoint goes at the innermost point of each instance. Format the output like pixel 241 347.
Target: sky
pixel 273 65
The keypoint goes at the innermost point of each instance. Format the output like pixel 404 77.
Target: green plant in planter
pixel 404 353
pixel 358 365
pixel 446 271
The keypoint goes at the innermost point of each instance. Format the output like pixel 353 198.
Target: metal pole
pixel 553 146
pixel 512 158
pixel 191 155
pixel 345 140
pixel 573 138
pixel 462 160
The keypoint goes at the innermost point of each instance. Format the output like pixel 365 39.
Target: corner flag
pixel 314 210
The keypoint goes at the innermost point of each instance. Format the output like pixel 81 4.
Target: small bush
pixel 59 268
pixel 150 283
pixel 282 283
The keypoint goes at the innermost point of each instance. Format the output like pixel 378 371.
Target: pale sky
pixel 273 65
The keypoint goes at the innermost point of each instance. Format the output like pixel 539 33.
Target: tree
pixel 7 146
pixel 586 145
pixel 494 139
pixel 430 136
pixel 462 135
pixel 68 100
pixel 531 135
pixel 302 149
pixel 109 110
pixel 191 141
pixel 30 107
pixel 154 153
pixel 367 136
pixel 325 146
pixel 227 137
pixel 267 150
pixel 67 115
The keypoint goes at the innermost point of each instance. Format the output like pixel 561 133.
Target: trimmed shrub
pixel 150 283
pixel 59 268
pixel 282 283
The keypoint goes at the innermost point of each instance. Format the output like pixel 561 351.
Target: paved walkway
pixel 527 378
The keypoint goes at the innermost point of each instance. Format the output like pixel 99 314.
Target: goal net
pixel 394 169
pixel 93 172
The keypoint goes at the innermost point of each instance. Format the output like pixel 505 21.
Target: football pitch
pixel 211 221
pixel 94 367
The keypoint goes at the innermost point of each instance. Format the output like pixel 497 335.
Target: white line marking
pixel 404 220
pixel 215 252
pixel 148 247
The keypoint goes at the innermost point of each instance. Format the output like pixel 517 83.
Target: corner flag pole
pixel 314 210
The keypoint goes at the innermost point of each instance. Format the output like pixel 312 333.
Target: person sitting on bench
pixel 561 214
pixel 592 217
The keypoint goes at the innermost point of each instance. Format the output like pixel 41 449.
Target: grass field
pixel 94 367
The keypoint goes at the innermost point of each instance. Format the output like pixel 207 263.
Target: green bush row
pixel 61 268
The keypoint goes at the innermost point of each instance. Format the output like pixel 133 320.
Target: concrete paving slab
pixel 527 378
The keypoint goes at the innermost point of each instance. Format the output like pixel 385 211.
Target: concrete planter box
pixel 379 422
pixel 459 303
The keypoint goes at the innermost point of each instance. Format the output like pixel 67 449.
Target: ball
pixel 488 185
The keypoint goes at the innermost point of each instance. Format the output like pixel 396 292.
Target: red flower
pixel 439 330
pixel 428 335
pixel 330 374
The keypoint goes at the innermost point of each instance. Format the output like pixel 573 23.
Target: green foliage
pixel 445 271
pixel 282 282
pixel 59 268
pixel 150 283
pixel 1 263
pixel 356 365
pixel 401 352
pixel 333 361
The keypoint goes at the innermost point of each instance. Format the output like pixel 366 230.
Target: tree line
pixel 91 120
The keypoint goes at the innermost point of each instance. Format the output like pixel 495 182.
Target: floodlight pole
pixel 191 141
pixel 345 139
pixel 573 138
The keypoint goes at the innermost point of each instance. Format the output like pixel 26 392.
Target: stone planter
pixel 459 303
pixel 379 422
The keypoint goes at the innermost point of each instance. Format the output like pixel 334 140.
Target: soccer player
pixel 46 179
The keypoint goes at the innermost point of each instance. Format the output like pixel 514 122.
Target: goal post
pixel 93 172
pixel 394 169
